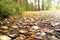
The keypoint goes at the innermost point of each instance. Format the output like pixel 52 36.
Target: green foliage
pixel 58 4
pixel 10 7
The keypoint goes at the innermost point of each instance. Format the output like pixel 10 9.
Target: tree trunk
pixel 49 4
pixel 58 4
pixel 27 5
pixel 42 4
pixel 38 5
pixel 20 2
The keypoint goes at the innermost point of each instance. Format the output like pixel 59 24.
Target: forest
pixel 29 19
pixel 13 7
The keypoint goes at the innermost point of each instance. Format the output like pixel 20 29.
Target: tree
pixel 38 5
pixel 35 1
pixel 46 4
pixel 42 4
pixel 31 7
pixel 58 4
pixel 27 5
pixel 49 4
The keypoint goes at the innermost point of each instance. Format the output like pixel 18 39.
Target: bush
pixel 9 7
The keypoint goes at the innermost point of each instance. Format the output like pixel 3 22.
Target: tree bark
pixel 26 5
pixel 38 5
pixel 42 4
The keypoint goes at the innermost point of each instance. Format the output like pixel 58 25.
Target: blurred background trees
pixel 38 5
pixel 16 7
